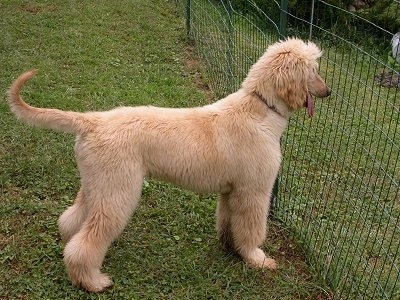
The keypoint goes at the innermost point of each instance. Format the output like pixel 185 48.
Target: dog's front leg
pixel 248 226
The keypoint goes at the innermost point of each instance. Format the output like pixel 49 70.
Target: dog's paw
pixel 270 263
pixel 257 259
pixel 97 284
pixel 103 281
pixel 93 281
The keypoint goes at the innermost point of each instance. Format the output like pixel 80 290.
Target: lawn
pixel 94 55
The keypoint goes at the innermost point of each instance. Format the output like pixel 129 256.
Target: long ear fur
pixel 290 81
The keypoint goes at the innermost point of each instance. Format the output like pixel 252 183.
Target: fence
pixel 339 189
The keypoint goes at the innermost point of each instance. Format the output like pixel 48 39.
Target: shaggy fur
pixel 230 147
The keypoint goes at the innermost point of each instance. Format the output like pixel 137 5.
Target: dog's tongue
pixel 310 105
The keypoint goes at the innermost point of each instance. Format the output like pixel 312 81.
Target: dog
pixel 230 147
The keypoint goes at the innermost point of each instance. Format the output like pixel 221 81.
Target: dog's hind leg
pixel 223 225
pixel 249 212
pixel 110 201
pixel 72 219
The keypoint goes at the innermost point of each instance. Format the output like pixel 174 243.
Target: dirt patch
pixel 388 79
pixel 194 68
pixel 287 251
pixel 36 9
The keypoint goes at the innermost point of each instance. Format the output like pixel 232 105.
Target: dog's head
pixel 287 74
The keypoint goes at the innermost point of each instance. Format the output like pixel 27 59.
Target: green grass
pixel 94 55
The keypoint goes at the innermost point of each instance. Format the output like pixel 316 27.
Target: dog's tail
pixel 71 122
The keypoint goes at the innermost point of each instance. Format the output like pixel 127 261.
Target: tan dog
pixel 230 147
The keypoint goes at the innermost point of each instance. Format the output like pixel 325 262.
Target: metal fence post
pixel 187 17
pixel 230 48
pixel 311 19
pixel 274 198
pixel 283 33
pixel 283 18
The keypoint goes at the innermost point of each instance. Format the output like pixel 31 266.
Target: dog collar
pixel 272 107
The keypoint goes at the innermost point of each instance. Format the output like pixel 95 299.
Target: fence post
pixel 274 198
pixel 311 20
pixel 187 17
pixel 283 33
pixel 231 76
pixel 283 18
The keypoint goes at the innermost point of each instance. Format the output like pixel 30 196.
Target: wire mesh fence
pixel 339 189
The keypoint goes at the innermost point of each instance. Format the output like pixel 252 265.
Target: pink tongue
pixel 310 105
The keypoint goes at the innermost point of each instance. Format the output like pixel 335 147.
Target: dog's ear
pixel 290 82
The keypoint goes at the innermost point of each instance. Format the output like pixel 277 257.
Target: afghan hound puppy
pixel 230 147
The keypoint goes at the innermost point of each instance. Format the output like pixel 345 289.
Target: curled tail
pixel 66 121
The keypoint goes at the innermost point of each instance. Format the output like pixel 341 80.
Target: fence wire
pixel 339 189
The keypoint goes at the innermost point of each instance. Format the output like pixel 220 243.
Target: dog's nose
pixel 328 92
